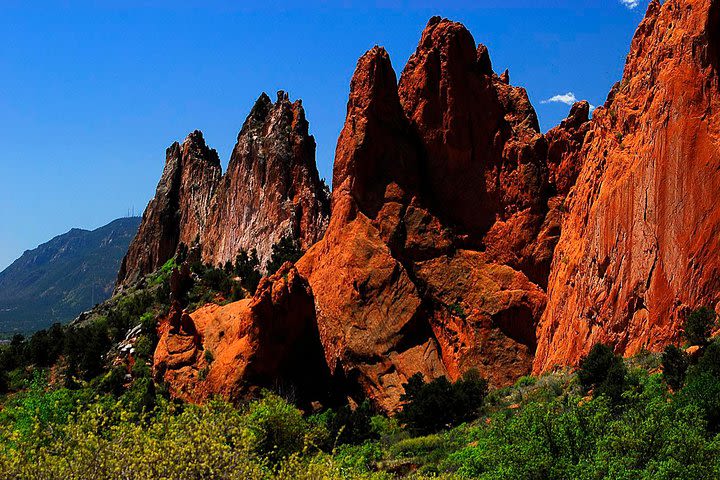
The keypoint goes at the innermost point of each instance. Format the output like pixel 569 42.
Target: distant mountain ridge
pixel 63 277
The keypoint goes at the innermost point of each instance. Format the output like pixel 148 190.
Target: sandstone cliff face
pixel 268 341
pixel 179 210
pixel 639 244
pixel 272 187
pixel 418 270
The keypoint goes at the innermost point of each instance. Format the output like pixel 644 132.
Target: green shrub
pixel 430 407
pixel 699 325
pixel 604 372
pixel 348 426
pixel 278 426
pixel 209 357
pixel 247 267
pixel 285 250
pixel 674 364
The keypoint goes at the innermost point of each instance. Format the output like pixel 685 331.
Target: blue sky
pixel 92 92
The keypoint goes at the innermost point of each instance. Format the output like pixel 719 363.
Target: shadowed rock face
pixel 640 240
pixel 272 187
pixel 179 210
pixel 268 341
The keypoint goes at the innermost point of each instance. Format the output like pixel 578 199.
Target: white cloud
pixel 631 4
pixel 567 98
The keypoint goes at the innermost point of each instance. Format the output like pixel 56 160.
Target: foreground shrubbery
pixel 542 428
pixel 75 413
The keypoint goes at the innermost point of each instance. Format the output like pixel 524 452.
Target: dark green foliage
pixel 675 364
pixel 113 382
pixel 286 250
pixel 709 362
pixel 699 325
pixel 247 267
pixel 85 348
pixel 217 280
pixel 604 372
pixel 431 407
pixel 703 386
pixel 347 426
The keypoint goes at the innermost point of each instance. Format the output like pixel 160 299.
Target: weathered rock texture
pixel 440 189
pixel 178 211
pixel 639 244
pixel 448 204
pixel 268 341
pixel 271 189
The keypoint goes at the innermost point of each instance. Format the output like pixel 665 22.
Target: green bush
pixel 604 372
pixel 674 364
pixel 347 426
pixel 279 427
pixel 431 407
pixel 285 250
pixel 699 325
pixel 247 267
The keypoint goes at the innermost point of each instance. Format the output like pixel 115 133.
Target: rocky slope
pixel 271 189
pixel 267 341
pixel 63 277
pixel 640 239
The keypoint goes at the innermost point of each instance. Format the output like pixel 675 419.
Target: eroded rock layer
pixel 268 341
pixel 440 189
pixel 640 240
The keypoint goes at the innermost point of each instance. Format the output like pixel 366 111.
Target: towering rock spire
pixel 640 242
pixel 395 291
pixel 179 210
pixel 485 156
pixel 271 188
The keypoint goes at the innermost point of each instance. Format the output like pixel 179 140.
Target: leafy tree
pixel 698 326
pixel 431 407
pixel 286 250
pixel 347 426
pixel 675 364
pixel 604 372
pixel 247 267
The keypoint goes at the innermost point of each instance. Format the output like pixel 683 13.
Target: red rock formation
pixel 394 294
pixel 639 244
pixel 179 209
pixel 271 189
pixel 270 340
pixel 484 162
